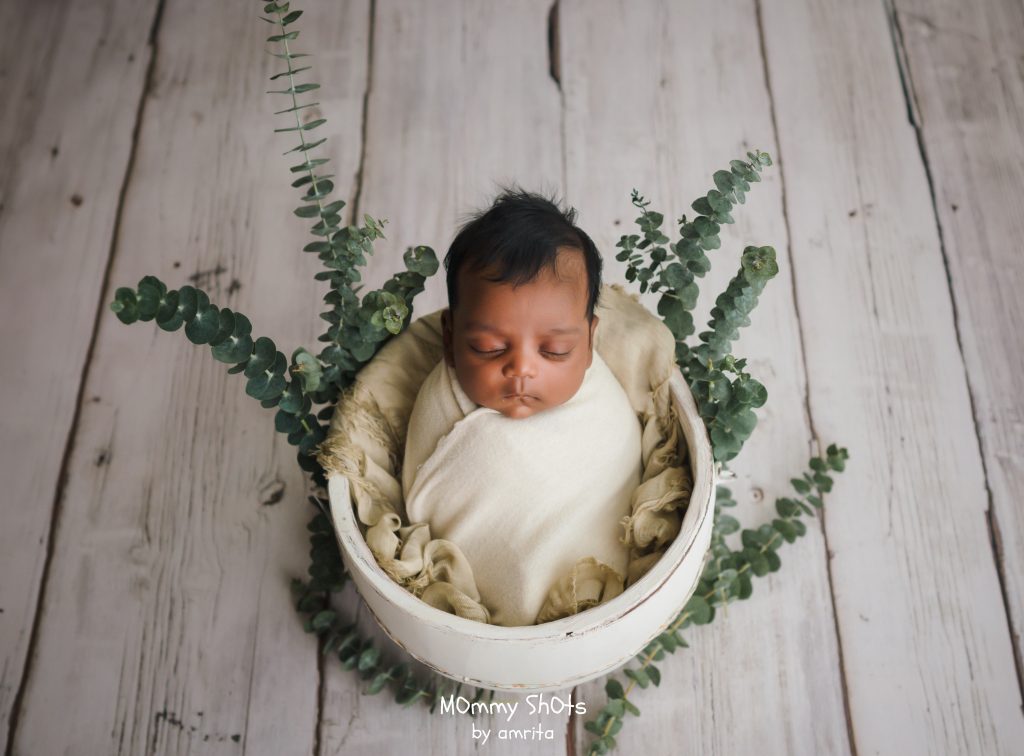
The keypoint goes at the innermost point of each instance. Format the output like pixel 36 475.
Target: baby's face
pixel 522 350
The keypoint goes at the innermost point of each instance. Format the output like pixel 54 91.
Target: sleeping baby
pixel 523 449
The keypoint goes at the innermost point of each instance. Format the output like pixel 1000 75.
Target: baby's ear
pixel 446 336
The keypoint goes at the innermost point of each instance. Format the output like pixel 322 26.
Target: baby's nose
pixel 520 365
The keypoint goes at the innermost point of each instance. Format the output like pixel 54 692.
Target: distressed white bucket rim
pixel 557 654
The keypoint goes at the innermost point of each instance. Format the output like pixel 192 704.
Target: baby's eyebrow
pixel 477 326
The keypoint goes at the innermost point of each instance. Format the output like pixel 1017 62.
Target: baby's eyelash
pixel 492 352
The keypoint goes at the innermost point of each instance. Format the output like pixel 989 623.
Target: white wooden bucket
pixel 557 654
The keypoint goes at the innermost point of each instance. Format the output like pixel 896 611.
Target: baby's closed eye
pixel 560 352
pixel 486 351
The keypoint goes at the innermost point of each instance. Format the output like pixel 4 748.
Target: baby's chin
pixel 517 409
pixel 518 412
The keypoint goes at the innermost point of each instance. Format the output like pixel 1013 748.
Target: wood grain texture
pixel 167 624
pixel 164 619
pixel 967 88
pixel 72 75
pixel 460 99
pixel 928 660
pixel 764 677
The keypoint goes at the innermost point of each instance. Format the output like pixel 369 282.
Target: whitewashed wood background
pixel 151 519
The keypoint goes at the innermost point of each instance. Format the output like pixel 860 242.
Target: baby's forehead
pixel 546 285
pixel 546 282
pixel 568 268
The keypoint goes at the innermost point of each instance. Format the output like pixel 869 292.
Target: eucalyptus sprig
pixel 229 335
pixel 676 278
pixel 725 403
pixel 733 307
pixel 725 578
pixel 358 326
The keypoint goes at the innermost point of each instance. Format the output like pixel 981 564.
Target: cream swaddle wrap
pixel 524 499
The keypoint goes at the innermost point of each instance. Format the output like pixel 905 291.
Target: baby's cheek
pixel 477 383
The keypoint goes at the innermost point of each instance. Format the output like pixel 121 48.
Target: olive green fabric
pixel 367 437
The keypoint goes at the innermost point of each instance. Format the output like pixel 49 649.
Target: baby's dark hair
pixel 518 235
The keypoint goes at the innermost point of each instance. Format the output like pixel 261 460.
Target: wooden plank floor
pixel 151 519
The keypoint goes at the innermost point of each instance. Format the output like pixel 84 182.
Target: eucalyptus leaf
pixel 204 326
pixel 309 165
pixel 639 676
pixel 698 609
pixel 285 422
pixel 279 38
pixel 188 302
pixel 269 382
pixel 368 658
pixel 322 620
pixel 225 327
pixel 378 684
pixel 167 316
pixel 125 305
pixel 239 345
pixel 151 292
pixel 308 369
pixel 289 72
pixel 262 357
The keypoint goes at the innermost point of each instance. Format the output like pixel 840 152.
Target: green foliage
pixel 672 266
pixel 326 572
pixel 726 578
pixel 733 306
pixel 726 395
pixel 357 327
pixel 270 378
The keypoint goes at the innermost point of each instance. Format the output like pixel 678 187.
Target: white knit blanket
pixel 524 499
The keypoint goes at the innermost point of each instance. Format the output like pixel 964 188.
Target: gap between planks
pixel 56 507
pixel 991 521
pixel 321 686
pixel 851 737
